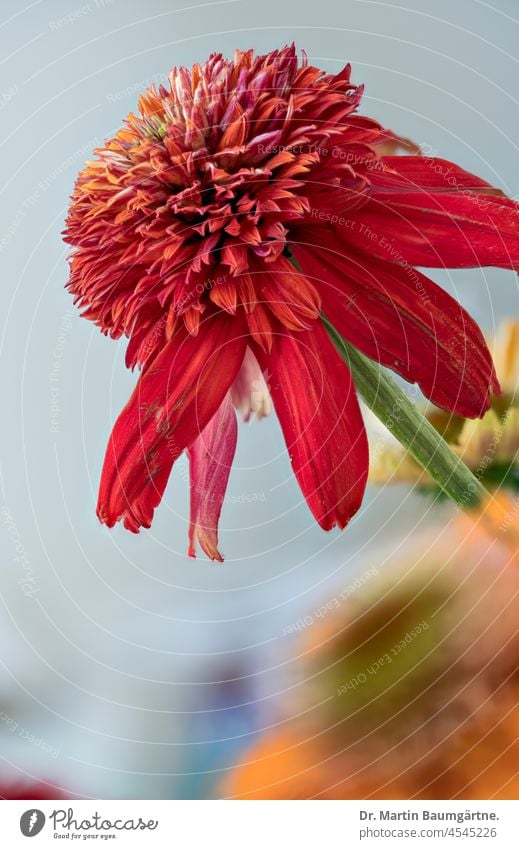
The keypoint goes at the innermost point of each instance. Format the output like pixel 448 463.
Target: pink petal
pixel 210 459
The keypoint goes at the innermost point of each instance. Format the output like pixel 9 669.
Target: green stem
pixel 395 410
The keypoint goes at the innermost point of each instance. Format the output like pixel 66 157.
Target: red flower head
pixel 213 230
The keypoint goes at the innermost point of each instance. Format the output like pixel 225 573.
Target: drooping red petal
pixel 316 403
pixel 173 401
pixel 210 459
pixel 430 212
pixel 400 318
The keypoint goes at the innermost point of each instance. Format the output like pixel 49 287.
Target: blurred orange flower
pixel 409 689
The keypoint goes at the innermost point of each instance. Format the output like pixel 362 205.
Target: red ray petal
pixel 418 173
pixel 210 459
pixel 430 212
pixel 400 318
pixel 315 400
pixel 173 401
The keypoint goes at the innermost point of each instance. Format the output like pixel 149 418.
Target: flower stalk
pixel 399 415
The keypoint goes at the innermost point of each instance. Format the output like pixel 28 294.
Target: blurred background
pixel 128 670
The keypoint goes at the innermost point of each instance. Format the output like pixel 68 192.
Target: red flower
pixel 214 228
